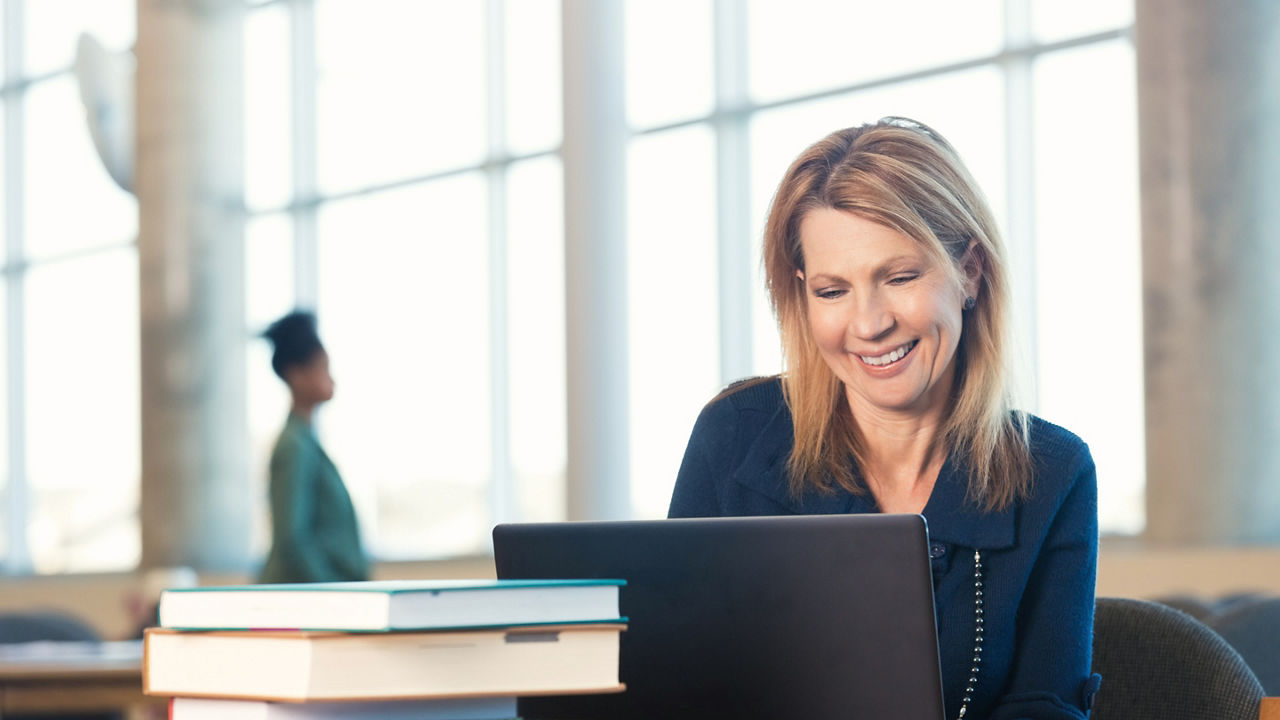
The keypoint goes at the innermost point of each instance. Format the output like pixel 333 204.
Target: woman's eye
pixel 829 293
pixel 903 279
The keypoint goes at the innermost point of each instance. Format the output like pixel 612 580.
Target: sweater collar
pixel 952 518
pixel 955 519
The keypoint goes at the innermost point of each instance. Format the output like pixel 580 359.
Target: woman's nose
pixel 872 318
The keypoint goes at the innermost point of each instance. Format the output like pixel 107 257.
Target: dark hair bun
pixel 294 340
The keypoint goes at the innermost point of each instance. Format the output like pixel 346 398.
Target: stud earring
pixel 970 303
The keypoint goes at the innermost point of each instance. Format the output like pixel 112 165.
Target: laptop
pixel 812 616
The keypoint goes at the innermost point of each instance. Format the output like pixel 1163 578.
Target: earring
pixel 970 303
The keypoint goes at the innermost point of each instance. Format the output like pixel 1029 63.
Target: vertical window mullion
pixel 18 557
pixel 733 193
pixel 501 486
pixel 304 72
pixel 1020 188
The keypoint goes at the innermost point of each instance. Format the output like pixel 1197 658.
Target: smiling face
pixel 885 315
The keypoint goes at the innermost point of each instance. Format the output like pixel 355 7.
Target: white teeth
pixel 889 357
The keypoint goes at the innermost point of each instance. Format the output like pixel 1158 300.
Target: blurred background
pixel 483 200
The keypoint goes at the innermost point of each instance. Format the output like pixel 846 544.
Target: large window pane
pixel 1055 20
pixel 674 303
pixel 269 294
pixel 965 107
pixel 1089 283
pixel 4 159
pixel 536 337
pixel 82 413
pixel 5 479
pixel 269 269
pixel 404 311
pixel 54 26
pixel 400 89
pixel 533 75
pixel 71 201
pixel 804 46
pixel 670 61
pixel 268 128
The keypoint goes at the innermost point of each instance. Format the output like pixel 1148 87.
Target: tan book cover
pixel 301 666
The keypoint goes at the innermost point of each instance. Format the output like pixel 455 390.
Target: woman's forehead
pixel 830 234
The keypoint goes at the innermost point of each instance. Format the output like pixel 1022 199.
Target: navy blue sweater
pixel 1039 555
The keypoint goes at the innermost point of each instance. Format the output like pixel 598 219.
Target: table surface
pixel 71 676
pixel 60 660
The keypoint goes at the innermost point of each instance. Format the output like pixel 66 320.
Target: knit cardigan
pixel 1039 555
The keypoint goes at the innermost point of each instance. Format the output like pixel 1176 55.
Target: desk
pixel 49 677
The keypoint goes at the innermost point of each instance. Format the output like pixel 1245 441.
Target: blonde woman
pixel 887 276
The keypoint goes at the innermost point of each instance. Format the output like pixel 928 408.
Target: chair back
pixel 1192 605
pixel 1253 629
pixel 1158 663
pixel 34 625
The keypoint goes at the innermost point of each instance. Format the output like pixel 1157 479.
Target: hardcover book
pixel 296 666
pixel 380 606
pixel 495 708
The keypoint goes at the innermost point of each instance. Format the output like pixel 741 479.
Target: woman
pixel 888 279
pixel 314 535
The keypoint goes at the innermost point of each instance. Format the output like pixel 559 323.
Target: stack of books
pixel 442 649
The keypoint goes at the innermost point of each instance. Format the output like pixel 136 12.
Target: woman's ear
pixel 973 265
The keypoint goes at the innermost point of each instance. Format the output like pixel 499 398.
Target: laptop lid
pixel 815 616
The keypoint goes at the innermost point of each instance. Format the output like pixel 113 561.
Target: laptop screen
pixel 818 616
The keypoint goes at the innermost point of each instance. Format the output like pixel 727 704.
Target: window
pixel 410 423
pixel 402 177
pixel 70 341
pixel 382 191
pixel 400 91
pixel 408 190
pixel 1088 264
pixel 1010 92
pixel 12 494
pixel 82 391
pixel 674 305
pixel 393 222
pixel 799 48
pixel 535 328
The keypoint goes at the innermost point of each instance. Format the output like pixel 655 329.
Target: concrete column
pixel 594 152
pixel 1209 109
pixel 195 480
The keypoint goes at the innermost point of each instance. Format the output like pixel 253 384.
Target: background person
pixel 314 533
pixel 887 276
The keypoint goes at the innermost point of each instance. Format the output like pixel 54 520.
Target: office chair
pixel 1158 663
pixel 1192 605
pixel 1253 629
pixel 31 626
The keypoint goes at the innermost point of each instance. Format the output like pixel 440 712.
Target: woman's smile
pixel 889 358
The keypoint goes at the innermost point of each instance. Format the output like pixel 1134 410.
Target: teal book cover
pixel 391 605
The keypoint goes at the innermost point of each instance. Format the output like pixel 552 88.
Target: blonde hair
pixel 903 175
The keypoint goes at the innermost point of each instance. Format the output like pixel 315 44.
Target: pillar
pixel 594 153
pixel 1209 115
pixel 195 479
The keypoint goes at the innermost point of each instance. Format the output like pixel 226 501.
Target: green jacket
pixel 314 534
